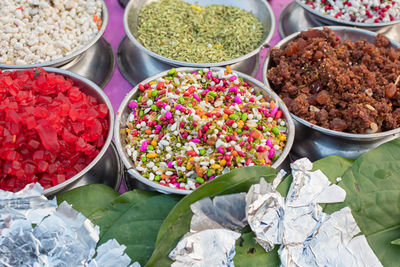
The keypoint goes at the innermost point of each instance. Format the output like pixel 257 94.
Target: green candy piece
pixel 202 151
pixel 275 157
pixel 154 93
pixel 141 113
pixel 157 178
pixel 244 116
pixel 209 172
pixel 143 158
pixel 150 147
pixel 212 93
pixel 200 72
pixel 181 100
pixel 233 116
pixel 190 105
pixel 239 131
pixel 199 180
pixel 172 71
pixel 275 131
pixel 139 98
pixel 154 107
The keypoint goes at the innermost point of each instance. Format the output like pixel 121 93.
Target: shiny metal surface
pixel 294 19
pixel 96 64
pixel 123 113
pixel 89 88
pixel 108 171
pixel 134 60
pixel 136 66
pixel 315 142
pixel 71 56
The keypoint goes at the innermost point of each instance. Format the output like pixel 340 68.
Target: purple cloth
pixel 118 87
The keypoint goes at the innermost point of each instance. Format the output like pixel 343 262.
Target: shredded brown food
pixel 343 86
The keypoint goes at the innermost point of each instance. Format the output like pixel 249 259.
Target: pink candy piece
pixel 221 150
pixel 233 89
pixel 269 142
pixel 195 96
pixel 132 105
pixel 238 100
pixel 170 165
pixel 232 78
pixel 209 74
pixel 178 107
pixel 196 140
pixel 168 115
pixel 271 153
pixel 274 111
pixel 158 127
pixel 143 147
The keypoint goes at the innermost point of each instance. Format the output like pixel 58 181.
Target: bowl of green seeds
pixel 207 33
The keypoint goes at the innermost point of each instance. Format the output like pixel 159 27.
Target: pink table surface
pixel 118 87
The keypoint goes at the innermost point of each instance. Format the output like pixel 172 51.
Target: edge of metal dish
pixel 359 137
pixel 335 21
pixel 173 62
pixel 81 65
pixel 164 189
pixel 71 56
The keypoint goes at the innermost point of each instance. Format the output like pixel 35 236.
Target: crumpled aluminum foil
pixel 223 212
pixel 212 247
pixel 28 203
pixel 64 238
pixel 308 236
pixel 212 230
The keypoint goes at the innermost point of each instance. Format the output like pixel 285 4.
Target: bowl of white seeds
pixel 42 33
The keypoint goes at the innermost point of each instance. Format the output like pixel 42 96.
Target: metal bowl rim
pixel 54 189
pixel 349 23
pixel 326 131
pixel 71 56
pixel 200 65
pixel 128 162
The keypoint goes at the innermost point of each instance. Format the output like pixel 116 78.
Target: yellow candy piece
pixel 151 155
pixel 189 166
pixel 154 143
pixel 282 137
pixel 215 166
pixel 228 69
pixel 152 82
pixel 198 8
pixel 204 117
pixel 225 116
pixel 222 162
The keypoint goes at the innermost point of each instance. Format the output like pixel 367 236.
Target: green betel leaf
pixel 248 252
pixel 134 219
pixel 178 221
pixel 372 187
pixel 396 242
pixel 88 198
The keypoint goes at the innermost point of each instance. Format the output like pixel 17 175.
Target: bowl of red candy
pixel 54 127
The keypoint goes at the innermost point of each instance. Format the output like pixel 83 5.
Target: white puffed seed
pixel 34 31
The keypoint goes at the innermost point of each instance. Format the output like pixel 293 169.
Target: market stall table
pixel 118 87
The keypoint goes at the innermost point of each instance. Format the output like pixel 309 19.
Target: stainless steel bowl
pixel 74 55
pixel 124 111
pixel 328 20
pixel 89 88
pixel 260 8
pixel 315 142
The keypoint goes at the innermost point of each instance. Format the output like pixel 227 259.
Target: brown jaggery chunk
pixel 344 86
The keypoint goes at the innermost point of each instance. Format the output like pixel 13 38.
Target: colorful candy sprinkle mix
pixel 201 128
pixel 364 11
